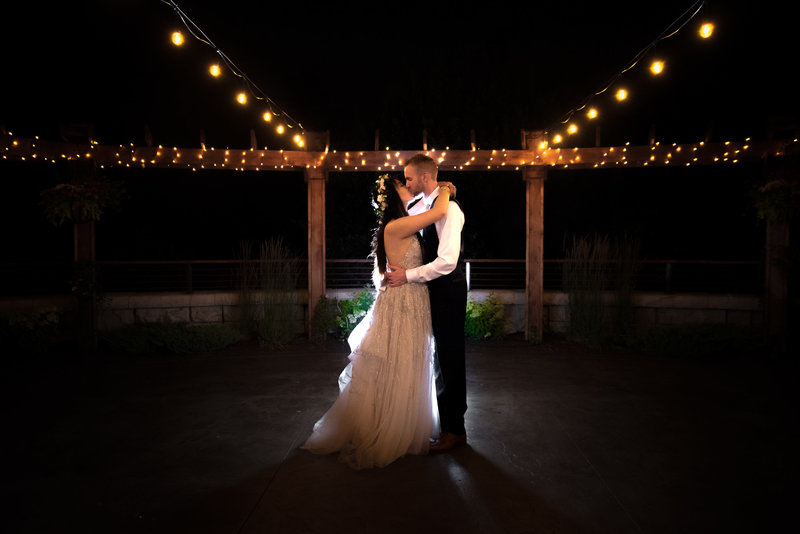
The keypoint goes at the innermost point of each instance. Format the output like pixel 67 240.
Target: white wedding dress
pixel 387 398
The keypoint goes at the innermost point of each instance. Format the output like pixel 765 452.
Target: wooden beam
pixel 656 155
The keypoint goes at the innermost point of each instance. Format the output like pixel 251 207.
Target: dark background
pixel 399 68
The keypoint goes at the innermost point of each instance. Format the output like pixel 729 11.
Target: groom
pixel 443 271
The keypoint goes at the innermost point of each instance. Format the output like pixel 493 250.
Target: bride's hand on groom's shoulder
pixel 450 187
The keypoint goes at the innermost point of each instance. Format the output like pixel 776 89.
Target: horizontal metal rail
pixel 669 276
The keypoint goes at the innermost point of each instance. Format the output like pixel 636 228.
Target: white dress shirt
pixel 448 228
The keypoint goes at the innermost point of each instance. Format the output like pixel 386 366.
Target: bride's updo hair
pixel 395 208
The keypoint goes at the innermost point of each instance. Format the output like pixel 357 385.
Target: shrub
pixel 698 341
pixel 34 332
pixel 325 319
pixel 351 311
pixel 485 319
pixel 177 338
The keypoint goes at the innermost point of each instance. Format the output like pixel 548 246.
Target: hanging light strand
pixel 670 30
pixel 252 87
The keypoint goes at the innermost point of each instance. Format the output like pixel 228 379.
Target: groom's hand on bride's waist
pixel 396 276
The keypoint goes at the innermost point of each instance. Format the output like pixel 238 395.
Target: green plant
pixel 174 337
pixel 625 258
pixel 485 319
pixel 267 294
pixel 351 311
pixel 592 267
pixel 81 202
pixel 698 341
pixel 34 332
pixel 585 275
pixel 325 319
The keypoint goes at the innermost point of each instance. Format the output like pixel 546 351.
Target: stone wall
pixel 650 309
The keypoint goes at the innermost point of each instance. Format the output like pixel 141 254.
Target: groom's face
pixel 415 179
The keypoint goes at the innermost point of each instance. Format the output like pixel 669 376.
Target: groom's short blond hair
pixel 425 163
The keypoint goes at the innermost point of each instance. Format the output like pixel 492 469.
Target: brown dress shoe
pixel 448 441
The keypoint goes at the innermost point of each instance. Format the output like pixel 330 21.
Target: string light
pixel 706 30
pixel 280 129
pixel 572 129
pixel 267 116
pixel 177 38
pixel 657 67
pixel 215 70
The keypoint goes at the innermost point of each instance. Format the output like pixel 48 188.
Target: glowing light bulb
pixel 214 70
pixel 241 98
pixel 280 129
pixel 657 67
pixel 572 129
pixel 706 30
pixel 557 139
pixel 267 116
pixel 592 113
pixel 622 94
pixel 177 38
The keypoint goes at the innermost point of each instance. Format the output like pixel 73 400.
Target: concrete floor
pixel 561 439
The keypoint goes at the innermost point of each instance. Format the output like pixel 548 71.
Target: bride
pixel 387 399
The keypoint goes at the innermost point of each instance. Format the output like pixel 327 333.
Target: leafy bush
pixel 485 319
pixel 34 332
pixel 325 319
pixel 698 341
pixel 351 311
pixel 177 338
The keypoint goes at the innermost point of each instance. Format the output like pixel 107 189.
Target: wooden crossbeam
pixel 655 155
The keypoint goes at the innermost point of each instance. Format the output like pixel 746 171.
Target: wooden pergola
pixel 532 161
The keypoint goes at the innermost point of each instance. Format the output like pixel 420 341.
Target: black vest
pixel 430 251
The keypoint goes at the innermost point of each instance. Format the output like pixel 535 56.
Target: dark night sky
pixel 352 68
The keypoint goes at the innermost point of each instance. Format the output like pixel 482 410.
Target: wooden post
pixel 315 178
pixel 776 286
pixel 534 177
pixel 84 265
pixel 253 140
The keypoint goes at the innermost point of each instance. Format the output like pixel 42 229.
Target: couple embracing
pixel 404 390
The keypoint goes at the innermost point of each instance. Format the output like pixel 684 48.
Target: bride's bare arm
pixel 407 226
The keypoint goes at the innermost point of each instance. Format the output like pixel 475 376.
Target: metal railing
pixel 669 276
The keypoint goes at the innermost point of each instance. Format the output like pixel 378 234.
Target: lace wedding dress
pixel 387 399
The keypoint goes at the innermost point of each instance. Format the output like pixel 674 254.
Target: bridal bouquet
pixel 81 202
